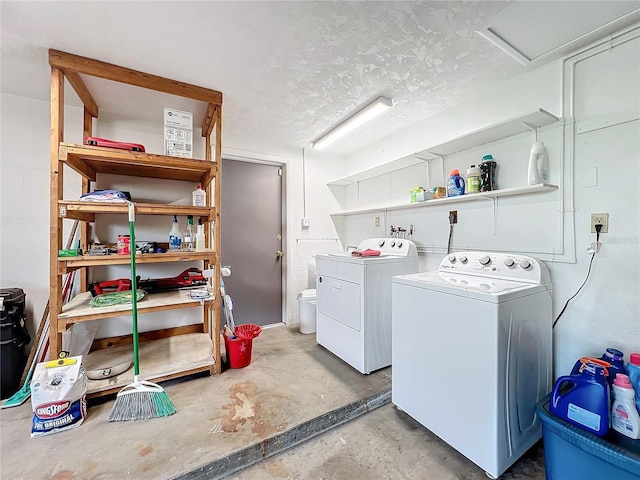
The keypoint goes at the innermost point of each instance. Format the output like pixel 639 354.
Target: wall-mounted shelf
pixel 498 131
pixel 506 192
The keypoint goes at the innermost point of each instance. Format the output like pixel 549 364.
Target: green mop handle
pixel 134 289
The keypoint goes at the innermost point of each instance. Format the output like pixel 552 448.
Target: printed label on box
pixel 178 133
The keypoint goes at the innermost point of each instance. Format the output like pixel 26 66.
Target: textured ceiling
pixel 289 71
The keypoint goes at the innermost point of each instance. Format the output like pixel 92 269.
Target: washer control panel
pixel 506 266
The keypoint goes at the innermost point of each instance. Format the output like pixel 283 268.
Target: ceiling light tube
pixel 367 113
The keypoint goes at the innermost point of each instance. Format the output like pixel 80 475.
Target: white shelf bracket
pixel 534 129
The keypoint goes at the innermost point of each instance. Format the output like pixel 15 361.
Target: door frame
pixel 281 163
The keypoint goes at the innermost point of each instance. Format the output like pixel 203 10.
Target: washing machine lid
pixel 479 287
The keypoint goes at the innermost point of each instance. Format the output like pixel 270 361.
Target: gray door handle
pixel 279 253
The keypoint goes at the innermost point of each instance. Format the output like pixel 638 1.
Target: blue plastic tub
pixel 573 453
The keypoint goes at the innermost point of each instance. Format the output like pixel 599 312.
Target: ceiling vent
pixel 534 31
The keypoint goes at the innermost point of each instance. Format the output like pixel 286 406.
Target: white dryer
pixel 353 313
pixel 472 353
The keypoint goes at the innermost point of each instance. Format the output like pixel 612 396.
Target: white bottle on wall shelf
pixel 538 164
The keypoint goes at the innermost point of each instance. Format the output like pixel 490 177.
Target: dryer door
pixel 339 300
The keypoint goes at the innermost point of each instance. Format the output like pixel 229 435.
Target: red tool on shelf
pixel 104 142
pixel 191 277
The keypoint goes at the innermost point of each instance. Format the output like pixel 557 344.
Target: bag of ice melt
pixel 58 396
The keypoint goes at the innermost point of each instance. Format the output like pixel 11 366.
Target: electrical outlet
pixel 377 221
pixel 453 216
pixel 602 219
pixel 306 222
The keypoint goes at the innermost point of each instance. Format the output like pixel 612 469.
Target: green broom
pixel 141 399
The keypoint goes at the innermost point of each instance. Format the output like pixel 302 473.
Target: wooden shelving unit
pixel 170 352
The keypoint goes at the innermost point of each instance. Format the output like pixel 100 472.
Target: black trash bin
pixel 14 338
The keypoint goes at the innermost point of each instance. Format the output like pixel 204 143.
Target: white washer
pixel 353 318
pixel 472 353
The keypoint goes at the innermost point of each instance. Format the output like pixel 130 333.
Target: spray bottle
pixel 189 235
pixel 200 236
pixel 175 238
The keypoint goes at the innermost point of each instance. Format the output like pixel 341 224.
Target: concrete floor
pixel 293 390
pixel 383 444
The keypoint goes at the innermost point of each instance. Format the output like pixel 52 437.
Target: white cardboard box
pixel 178 133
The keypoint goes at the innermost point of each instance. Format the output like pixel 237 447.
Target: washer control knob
pixel 452 258
pixel 381 242
pixel 463 259
pixel 399 244
pixel 484 260
pixel 509 262
pixel 525 264
pixel 393 243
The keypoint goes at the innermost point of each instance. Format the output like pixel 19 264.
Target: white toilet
pixel 307 308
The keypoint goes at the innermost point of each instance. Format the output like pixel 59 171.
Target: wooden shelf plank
pixel 80 310
pixel 76 209
pixel 505 192
pixel 161 359
pixel 70 263
pixel 86 159
pixel 95 68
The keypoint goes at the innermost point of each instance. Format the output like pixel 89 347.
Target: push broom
pixel 139 400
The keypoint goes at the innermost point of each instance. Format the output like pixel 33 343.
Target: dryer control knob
pixel 525 264
pixel 381 242
pixel 484 260
pixel 393 243
pixel 509 262
pixel 463 258
pixel 399 244
pixel 452 258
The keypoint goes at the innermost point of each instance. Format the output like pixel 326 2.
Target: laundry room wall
pixel 595 170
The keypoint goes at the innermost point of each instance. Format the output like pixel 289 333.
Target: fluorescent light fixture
pixel 367 113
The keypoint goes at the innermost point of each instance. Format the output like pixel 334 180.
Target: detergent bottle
pixel 538 164
pixel 583 399
pixel 615 358
pixel 633 371
pixel 624 416
pixel 455 184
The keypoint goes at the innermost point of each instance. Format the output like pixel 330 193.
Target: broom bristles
pixel 141 401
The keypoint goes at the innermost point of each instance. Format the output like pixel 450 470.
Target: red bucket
pixel 239 348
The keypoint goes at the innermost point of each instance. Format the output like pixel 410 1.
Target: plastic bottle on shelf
pixel 455 184
pixel 538 164
pixel 624 415
pixel 199 197
pixel 175 239
pixel 189 235
pixel 616 359
pixel 473 179
pixel 633 371
pixel 488 174
pixel 200 242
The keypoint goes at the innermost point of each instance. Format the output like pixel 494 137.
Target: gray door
pixel 251 229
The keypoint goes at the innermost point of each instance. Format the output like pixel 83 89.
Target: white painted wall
pixel 606 109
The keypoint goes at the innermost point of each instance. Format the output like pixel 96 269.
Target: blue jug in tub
pixel 612 359
pixel 583 399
